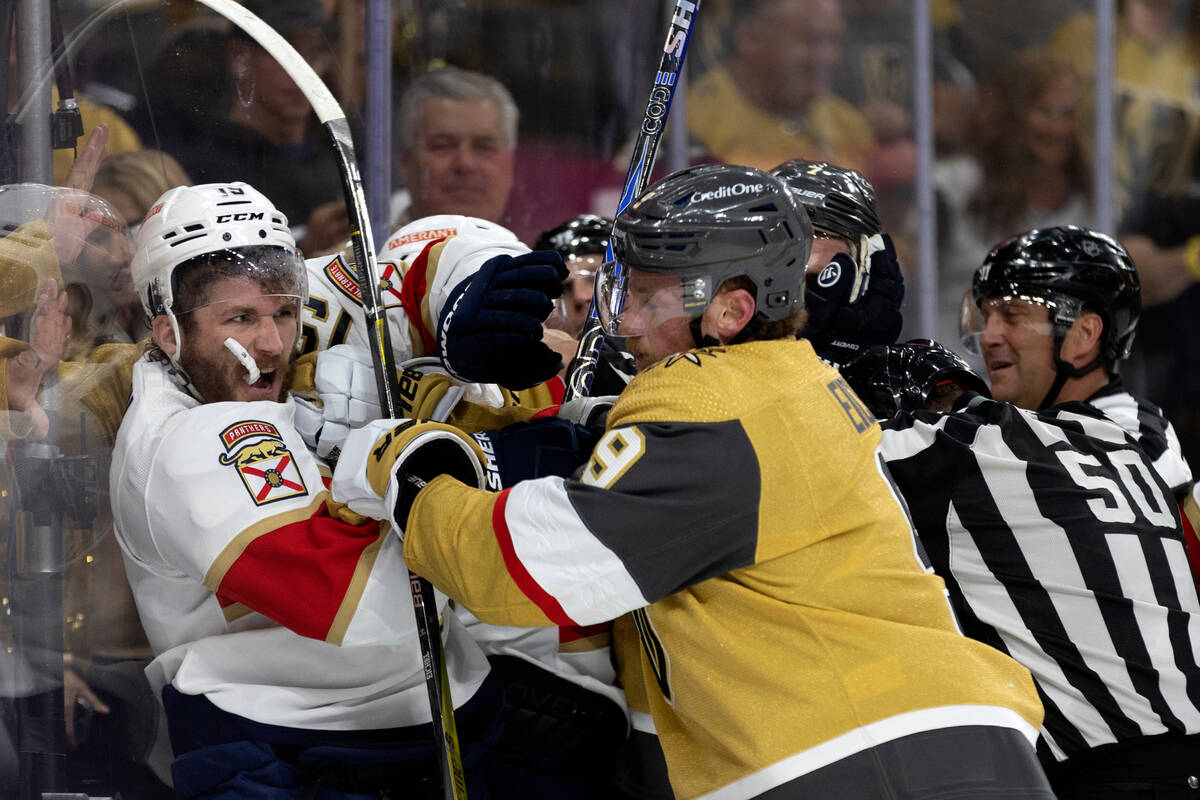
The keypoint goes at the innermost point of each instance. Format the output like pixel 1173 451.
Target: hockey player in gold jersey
pixel 782 627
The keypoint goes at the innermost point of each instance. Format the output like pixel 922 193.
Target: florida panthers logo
pixel 265 464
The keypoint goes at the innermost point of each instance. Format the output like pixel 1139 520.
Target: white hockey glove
pixel 590 412
pixel 385 463
pixel 345 381
pixel 309 420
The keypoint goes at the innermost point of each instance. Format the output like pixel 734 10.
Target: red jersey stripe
pixel 300 573
pixel 412 291
pixel 516 570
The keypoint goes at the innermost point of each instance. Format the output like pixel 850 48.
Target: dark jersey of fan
pixel 1061 545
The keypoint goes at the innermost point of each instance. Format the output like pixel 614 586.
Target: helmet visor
pixel 278 272
pixel 1009 314
pixel 634 302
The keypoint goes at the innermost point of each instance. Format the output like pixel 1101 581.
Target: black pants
pixel 560 741
pixel 964 763
pixel 221 756
pixel 1150 768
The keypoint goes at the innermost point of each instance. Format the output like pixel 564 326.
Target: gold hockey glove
pixel 386 463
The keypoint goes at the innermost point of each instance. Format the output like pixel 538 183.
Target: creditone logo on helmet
pixel 830 275
pixel 736 190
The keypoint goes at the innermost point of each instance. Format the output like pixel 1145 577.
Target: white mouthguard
pixel 239 352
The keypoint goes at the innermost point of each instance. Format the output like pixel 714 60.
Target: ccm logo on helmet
pixel 736 190
pixel 241 216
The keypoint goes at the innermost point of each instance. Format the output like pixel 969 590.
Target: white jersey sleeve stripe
pixel 564 558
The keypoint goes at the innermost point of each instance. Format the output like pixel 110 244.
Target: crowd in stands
pixel 523 115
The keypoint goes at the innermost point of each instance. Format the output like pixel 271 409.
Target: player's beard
pixel 217 378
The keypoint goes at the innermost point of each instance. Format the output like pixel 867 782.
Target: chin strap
pixel 181 379
pixel 1065 372
pixel 699 337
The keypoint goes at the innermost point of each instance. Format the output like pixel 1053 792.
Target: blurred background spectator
pixel 131 182
pixel 263 130
pixel 457 131
pixel 1156 107
pixel 1027 169
pixel 770 99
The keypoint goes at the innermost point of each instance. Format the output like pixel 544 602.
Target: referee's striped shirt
pixel 1061 545
pixel 1153 432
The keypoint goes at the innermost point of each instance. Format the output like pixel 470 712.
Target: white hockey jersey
pixel 250 591
pixel 413 295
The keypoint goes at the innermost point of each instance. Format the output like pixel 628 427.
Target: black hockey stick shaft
pixel 331 115
pixel 645 149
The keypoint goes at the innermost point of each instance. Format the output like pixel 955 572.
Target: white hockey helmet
pixel 192 221
pixel 406 243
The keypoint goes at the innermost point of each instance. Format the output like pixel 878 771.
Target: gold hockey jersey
pixel 737 511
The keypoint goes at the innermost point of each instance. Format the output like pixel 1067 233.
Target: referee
pixel 1053 517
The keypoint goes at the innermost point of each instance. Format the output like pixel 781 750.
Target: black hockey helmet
pixel 584 235
pixel 708 224
pixel 839 200
pixel 903 377
pixel 1069 269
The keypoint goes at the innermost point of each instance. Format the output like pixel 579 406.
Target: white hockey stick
pixel 331 115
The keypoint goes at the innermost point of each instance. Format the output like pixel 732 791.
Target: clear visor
pixel 584 266
pixel 1007 313
pixel 278 273
pixel 632 301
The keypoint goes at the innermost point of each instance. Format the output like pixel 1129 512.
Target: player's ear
pixel 732 310
pixel 1083 341
pixel 164 335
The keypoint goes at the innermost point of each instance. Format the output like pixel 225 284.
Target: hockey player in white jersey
pixel 286 653
pixel 420 269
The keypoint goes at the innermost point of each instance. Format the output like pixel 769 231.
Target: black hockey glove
pixel 491 327
pixel 535 449
pixel 839 329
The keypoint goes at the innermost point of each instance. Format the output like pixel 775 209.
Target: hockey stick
pixel 334 119
pixel 331 115
pixel 645 148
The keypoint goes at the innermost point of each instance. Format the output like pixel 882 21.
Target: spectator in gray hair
pixel 457 132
